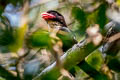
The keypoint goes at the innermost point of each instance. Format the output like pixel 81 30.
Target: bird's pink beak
pixel 47 16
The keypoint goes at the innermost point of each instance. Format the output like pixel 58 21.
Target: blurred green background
pixel 25 39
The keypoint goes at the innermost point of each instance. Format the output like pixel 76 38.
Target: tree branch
pixel 7 75
pixel 72 57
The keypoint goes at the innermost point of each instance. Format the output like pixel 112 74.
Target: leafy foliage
pixel 41 39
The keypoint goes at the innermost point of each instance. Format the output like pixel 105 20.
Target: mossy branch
pixel 72 57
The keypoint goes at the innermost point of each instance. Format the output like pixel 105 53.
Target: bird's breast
pixel 54 24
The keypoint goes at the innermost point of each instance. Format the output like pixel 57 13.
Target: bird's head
pixel 54 18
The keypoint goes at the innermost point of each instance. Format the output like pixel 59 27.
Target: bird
pixel 56 21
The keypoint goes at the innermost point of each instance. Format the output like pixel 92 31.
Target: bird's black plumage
pixel 59 18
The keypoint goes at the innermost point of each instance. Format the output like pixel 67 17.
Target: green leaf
pixel 19 35
pixel 2 78
pixel 95 59
pixel 114 64
pixel 80 16
pixel 101 15
pixel 40 38
pixel 6 37
pixel 92 71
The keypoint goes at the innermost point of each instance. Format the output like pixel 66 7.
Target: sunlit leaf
pixel 96 75
pixel 40 38
pixel 19 35
pixel 95 60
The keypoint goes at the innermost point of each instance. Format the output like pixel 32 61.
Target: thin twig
pixel 34 54
pixel 20 59
pixel 114 37
pixel 24 21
